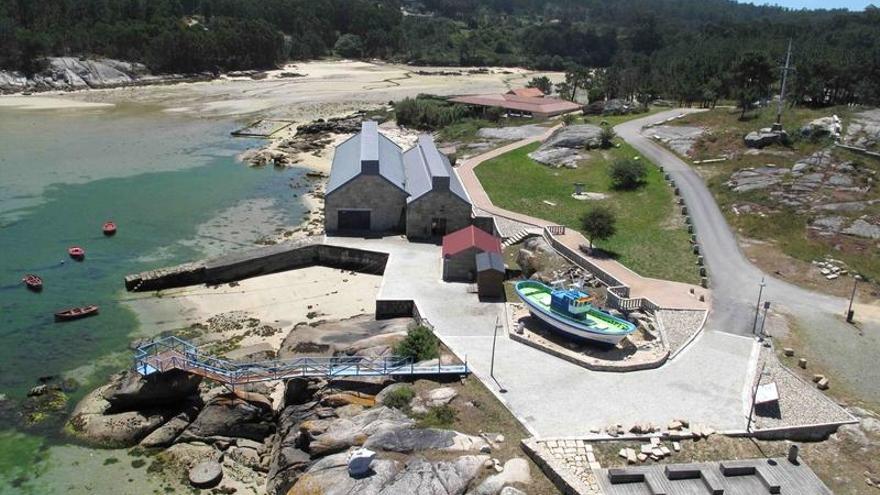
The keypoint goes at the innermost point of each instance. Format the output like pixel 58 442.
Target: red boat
pixel 76 313
pixel 109 228
pixel 76 253
pixel 33 282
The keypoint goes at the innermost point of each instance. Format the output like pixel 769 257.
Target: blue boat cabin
pixel 570 302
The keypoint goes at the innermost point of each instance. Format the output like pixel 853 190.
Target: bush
pixel 568 119
pixel 599 224
pixel 399 398
pixel 607 136
pixel 349 46
pixel 419 344
pixel 438 417
pixel 429 113
pixel 627 174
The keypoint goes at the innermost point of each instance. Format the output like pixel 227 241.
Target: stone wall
pixel 436 204
pixel 385 201
pixel 256 262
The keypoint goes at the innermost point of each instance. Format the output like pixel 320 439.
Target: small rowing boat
pixel 76 313
pixel 109 228
pixel 570 312
pixel 76 253
pixel 33 282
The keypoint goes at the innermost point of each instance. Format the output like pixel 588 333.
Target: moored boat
pixel 571 313
pixel 33 282
pixel 109 228
pixel 76 313
pixel 76 253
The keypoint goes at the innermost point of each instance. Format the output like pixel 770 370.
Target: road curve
pixel 734 280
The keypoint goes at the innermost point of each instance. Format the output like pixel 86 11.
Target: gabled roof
pixel 549 106
pixel 367 146
pixel 490 261
pixel 423 163
pixel 533 92
pixel 470 237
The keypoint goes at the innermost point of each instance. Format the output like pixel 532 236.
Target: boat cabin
pixel 570 302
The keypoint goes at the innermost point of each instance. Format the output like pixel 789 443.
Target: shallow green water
pixel 175 190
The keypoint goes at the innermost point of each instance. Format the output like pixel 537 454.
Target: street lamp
pixel 849 312
pixel 758 306
pixel 492 364
pixel 764 320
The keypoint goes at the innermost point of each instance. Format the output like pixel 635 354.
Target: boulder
pixel 206 474
pixel 92 421
pixel 228 416
pixel 440 396
pixel 245 456
pixel 862 228
pixel 407 440
pixel 422 477
pixel 511 133
pixel 537 256
pixel 329 476
pixel 165 434
pixel 823 126
pixel 557 157
pixel 187 455
pixel 344 433
pixel 509 490
pixel 131 391
pixel 765 137
pixel 515 470
pixel 561 148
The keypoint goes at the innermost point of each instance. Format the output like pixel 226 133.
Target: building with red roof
pixel 540 107
pixel 529 92
pixel 460 250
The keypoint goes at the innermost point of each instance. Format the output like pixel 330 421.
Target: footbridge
pixel 173 353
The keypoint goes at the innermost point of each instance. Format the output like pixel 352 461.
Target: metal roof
pixel 470 237
pixel 490 261
pixel 534 92
pixel 548 106
pixel 422 164
pixel 367 146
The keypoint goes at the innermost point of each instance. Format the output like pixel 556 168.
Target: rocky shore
pixel 72 73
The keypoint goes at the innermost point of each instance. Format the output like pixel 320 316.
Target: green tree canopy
pixel 599 224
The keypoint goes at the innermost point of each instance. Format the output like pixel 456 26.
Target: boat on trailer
pixel 76 313
pixel 570 312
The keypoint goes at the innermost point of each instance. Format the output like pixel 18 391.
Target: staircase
pixel 171 353
pixel 522 234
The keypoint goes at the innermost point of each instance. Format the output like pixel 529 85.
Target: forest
pixel 691 51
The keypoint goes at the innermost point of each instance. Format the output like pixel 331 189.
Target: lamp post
pixel 758 306
pixel 492 364
pixel 764 320
pixel 849 311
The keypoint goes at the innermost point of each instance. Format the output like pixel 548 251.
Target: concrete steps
pixel 521 235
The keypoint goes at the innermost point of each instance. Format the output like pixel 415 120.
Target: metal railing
pixel 173 352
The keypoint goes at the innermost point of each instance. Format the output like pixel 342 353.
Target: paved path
pixel 848 352
pixel 552 397
pixel 664 293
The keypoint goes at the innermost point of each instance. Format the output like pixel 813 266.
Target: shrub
pixel 419 344
pixel 349 46
pixel 568 119
pixel 607 136
pixel 627 174
pixel 429 113
pixel 399 398
pixel 599 224
pixel 437 417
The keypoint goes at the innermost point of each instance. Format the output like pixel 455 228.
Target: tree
pixel 575 79
pixel 543 83
pixel 349 46
pixel 627 174
pixel 599 224
pixel 419 344
pixel 752 76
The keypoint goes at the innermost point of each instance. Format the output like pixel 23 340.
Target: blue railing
pixel 175 353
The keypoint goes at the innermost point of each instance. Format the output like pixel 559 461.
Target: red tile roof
pixel 546 106
pixel 470 237
pixel 533 92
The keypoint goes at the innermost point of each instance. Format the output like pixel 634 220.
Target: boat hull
pixel 76 313
pixel 569 330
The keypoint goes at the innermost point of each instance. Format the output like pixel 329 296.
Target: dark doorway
pixel 353 220
pixel 438 227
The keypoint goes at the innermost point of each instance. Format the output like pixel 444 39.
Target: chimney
pixel 369 148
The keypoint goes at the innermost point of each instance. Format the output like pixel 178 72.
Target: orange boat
pixel 109 228
pixel 76 313
pixel 33 282
pixel 76 253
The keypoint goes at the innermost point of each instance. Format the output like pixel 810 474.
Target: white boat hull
pixel 573 331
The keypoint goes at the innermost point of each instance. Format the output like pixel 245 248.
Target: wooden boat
pixel 76 253
pixel 33 282
pixel 76 313
pixel 570 312
pixel 109 228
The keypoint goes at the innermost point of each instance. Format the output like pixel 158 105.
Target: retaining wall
pixel 262 261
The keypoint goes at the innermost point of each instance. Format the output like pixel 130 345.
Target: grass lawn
pixel 651 238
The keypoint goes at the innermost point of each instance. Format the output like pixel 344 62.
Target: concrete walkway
pixel 664 293
pixel 552 397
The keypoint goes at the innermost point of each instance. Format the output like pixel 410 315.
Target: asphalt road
pixel 734 280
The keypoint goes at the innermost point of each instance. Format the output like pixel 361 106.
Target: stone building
pixel 460 250
pixel 437 203
pixel 375 187
pixel 490 275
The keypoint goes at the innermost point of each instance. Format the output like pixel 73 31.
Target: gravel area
pixel 800 403
pixel 679 326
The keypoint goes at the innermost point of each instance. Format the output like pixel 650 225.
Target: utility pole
pixel 758 306
pixel 785 71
